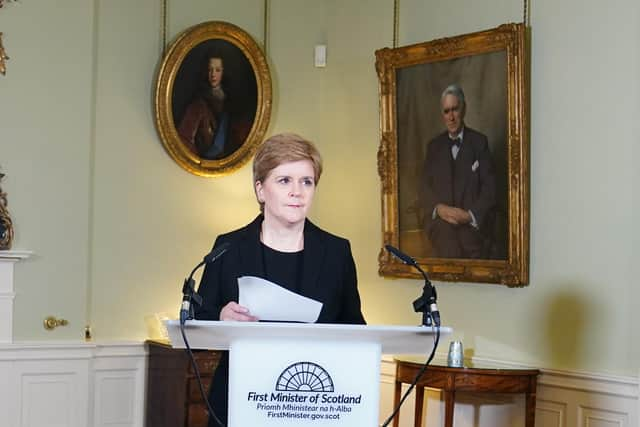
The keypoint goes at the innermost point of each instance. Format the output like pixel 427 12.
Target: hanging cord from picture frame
pixel 396 21
pixel 163 26
pixel 265 27
pixel 164 18
pixel 396 18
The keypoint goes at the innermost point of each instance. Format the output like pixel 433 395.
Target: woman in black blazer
pixel 283 246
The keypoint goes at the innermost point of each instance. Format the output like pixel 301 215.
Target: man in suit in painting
pixel 459 185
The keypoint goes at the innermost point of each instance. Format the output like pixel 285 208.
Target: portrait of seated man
pixel 458 185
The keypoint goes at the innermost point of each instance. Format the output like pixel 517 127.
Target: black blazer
pixel 328 276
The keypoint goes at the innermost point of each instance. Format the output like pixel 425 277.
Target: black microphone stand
pixel 426 300
pixel 189 293
pixel 426 304
pixel 190 297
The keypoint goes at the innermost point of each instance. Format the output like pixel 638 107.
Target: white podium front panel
pixel 285 383
pixel 295 374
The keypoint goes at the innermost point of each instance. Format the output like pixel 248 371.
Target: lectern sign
pixel 304 391
pixel 295 384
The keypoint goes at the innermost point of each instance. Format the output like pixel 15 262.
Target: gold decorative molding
pixel 3 58
pixel 2 2
pixel 6 227
pixel 3 53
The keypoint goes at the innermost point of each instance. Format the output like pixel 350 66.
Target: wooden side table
pixel 473 379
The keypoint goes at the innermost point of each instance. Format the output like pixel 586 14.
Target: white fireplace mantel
pixel 7 294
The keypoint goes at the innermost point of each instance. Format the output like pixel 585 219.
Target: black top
pixel 326 273
pixel 282 268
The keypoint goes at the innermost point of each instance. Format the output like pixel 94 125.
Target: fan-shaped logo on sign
pixel 305 376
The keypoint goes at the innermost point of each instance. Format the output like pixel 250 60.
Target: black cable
pixel 197 371
pixel 415 381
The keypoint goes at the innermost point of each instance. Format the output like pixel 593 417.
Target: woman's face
pixel 287 192
pixel 216 69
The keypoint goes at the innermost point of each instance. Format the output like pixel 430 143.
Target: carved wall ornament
pixel 8 1
pixel 3 58
pixel 6 227
pixel 3 53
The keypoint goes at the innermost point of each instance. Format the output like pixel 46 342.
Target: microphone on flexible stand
pixel 186 313
pixel 188 289
pixel 426 304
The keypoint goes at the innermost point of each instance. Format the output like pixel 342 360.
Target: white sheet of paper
pixel 268 301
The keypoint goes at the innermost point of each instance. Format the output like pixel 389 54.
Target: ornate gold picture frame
pixel 491 68
pixel 213 98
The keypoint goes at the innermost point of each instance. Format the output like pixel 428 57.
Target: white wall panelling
pixel 72 384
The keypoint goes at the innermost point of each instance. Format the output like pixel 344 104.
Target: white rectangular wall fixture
pixel 320 55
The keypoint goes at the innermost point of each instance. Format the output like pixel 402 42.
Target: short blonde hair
pixel 284 148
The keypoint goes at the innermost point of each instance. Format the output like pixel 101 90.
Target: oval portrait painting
pixel 213 99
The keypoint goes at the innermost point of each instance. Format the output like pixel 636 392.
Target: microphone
pixel 403 257
pixel 188 289
pixel 426 304
pixel 216 253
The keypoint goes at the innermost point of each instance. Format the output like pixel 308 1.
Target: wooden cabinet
pixel 173 395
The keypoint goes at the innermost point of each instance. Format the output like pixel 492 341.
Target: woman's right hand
pixel 236 312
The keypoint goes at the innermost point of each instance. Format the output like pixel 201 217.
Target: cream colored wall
pixel 576 311
pixel 586 256
pixel 633 290
pixel 129 223
pixel 45 150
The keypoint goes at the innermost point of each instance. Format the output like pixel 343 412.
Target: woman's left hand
pixel 237 312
